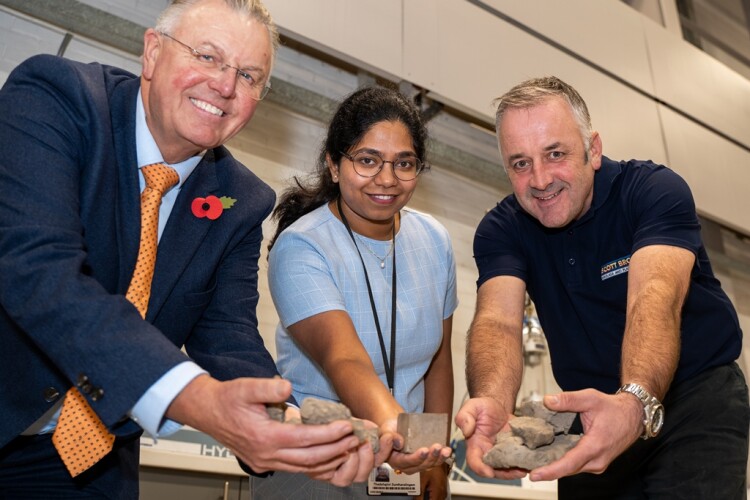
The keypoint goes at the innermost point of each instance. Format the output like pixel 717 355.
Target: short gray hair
pixel 535 91
pixel 170 17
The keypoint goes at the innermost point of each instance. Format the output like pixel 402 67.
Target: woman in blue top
pixel 365 288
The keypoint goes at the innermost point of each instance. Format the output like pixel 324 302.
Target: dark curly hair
pixel 356 115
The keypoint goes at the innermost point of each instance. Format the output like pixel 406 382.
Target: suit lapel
pixel 183 234
pixel 123 104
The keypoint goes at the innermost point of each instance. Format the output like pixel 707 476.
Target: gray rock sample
pixel 533 431
pixel 510 452
pixel 318 411
pixel 561 421
pixel 538 436
pixel 422 430
pixel 276 411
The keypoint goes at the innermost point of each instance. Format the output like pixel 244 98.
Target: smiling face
pixel 187 110
pixel 371 203
pixel 543 151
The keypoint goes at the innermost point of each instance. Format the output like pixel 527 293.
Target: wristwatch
pixel 653 411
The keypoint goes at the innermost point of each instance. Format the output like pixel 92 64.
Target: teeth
pixel 548 197
pixel 382 196
pixel 207 107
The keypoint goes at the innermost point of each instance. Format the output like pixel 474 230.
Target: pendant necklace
pixel 380 259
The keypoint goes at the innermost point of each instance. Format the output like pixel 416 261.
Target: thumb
pixel 553 401
pixel 466 423
pixel 265 390
pixel 575 401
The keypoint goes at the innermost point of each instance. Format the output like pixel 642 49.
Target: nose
pixel 540 176
pixel 224 82
pixel 387 175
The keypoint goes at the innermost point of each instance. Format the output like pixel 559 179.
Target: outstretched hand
pixel 234 413
pixel 480 420
pixel 611 424
pixel 419 460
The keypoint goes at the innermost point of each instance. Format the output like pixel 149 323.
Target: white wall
pixel 628 68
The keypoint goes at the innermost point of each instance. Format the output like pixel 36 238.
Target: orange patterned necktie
pixel 80 437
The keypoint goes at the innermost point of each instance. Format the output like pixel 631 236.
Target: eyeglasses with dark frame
pixel 214 66
pixel 369 164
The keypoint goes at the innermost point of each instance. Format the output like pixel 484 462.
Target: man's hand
pixel 234 414
pixel 480 419
pixel 611 423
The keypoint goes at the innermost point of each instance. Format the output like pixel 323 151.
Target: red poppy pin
pixel 211 206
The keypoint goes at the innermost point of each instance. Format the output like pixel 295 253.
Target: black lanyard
pixel 390 368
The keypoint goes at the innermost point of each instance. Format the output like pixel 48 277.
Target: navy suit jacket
pixel 69 235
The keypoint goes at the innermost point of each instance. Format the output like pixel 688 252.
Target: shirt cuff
pixel 149 411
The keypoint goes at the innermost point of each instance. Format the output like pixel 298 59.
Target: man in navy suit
pixel 73 138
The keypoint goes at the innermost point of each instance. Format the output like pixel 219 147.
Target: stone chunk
pixel 276 411
pixel 561 421
pixel 318 411
pixel 510 452
pixel 534 432
pixel 422 430
pixel 538 436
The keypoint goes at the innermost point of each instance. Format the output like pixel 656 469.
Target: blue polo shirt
pixel 577 275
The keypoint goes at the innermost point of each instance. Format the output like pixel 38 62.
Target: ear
pixel 595 150
pixel 332 168
pixel 152 45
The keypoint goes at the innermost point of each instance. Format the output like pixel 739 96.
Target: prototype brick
pixel 422 430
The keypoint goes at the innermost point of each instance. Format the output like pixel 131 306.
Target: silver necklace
pixel 380 259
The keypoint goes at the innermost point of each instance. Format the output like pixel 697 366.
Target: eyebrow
pixel 551 147
pixel 380 153
pixel 223 55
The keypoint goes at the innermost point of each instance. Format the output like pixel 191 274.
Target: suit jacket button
pixel 51 394
pixel 82 379
pixel 97 394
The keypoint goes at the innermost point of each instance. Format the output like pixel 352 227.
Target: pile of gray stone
pixel 318 411
pixel 538 436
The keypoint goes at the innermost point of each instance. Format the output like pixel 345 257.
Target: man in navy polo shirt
pixel 642 337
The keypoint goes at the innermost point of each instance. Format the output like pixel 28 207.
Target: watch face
pixel 656 420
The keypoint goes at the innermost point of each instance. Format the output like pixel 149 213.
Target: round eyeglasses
pixel 250 80
pixel 405 168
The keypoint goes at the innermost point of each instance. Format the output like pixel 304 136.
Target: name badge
pixel 384 480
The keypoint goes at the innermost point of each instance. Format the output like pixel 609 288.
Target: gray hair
pixel 533 92
pixel 170 17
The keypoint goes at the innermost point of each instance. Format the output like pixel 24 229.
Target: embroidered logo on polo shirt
pixel 617 266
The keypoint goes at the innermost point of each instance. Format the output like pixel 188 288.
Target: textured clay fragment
pixel 318 411
pixel 538 437
pixel 561 421
pixel 534 432
pixel 510 452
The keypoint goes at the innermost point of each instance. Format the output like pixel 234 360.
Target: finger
pixel 263 390
pixel 294 436
pixel 570 463
pixel 347 471
pixel 366 462
pixel 510 474
pixel 386 447
pixel 314 455
pixel 575 401
pixel 320 470
pixel 474 456
pixel 466 422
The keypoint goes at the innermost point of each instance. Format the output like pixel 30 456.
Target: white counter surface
pixel 194 451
